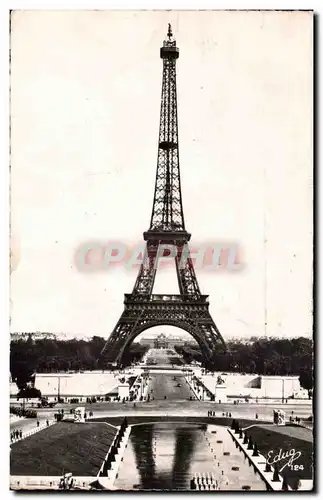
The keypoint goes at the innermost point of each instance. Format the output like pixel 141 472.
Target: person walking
pixel 17 434
pixel 37 423
pixel 20 434
pixel 47 423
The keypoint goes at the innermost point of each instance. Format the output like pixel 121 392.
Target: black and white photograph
pixel 161 250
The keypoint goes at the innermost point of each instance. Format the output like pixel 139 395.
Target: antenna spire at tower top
pixel 169 33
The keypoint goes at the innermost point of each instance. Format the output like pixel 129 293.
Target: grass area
pixel 272 440
pixel 293 431
pixel 63 447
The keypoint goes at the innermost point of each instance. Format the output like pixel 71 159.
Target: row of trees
pixel 28 356
pixel 262 356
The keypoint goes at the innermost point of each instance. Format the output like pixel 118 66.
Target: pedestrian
pixel 11 437
pixel 47 423
pixel 17 434
pixel 230 415
pixel 37 423
pixel 20 434
pixel 256 415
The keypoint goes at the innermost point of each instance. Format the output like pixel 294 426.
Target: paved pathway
pixel 171 407
pixel 174 387
pixel 28 424
pixel 232 470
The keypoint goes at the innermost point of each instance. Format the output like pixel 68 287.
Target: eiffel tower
pixel 189 310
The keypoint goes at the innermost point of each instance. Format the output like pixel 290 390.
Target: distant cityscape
pixel 144 339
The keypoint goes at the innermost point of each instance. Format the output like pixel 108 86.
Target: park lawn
pixel 61 448
pixel 268 440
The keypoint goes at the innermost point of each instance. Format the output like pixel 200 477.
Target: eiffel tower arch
pixel 189 310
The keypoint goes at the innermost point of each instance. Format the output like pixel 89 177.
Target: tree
pixel 306 378
pixel 262 356
pixel 29 392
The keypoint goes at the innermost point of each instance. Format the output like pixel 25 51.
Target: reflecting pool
pixel 166 456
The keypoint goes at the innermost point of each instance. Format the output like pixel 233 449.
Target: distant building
pixel 14 336
pixel 162 340
pixel 34 335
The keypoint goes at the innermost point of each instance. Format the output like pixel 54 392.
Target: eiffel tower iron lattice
pixel 142 309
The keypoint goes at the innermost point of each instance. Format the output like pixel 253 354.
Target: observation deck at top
pixel 169 50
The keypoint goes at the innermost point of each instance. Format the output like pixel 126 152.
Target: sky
pixel 85 103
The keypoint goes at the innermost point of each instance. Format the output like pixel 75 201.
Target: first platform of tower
pixel 169 49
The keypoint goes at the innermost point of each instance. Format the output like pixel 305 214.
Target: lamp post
pixel 58 388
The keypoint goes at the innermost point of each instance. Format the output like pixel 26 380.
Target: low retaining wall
pixel 109 468
pixel 47 482
pixel 150 418
pixel 113 472
pixel 257 462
